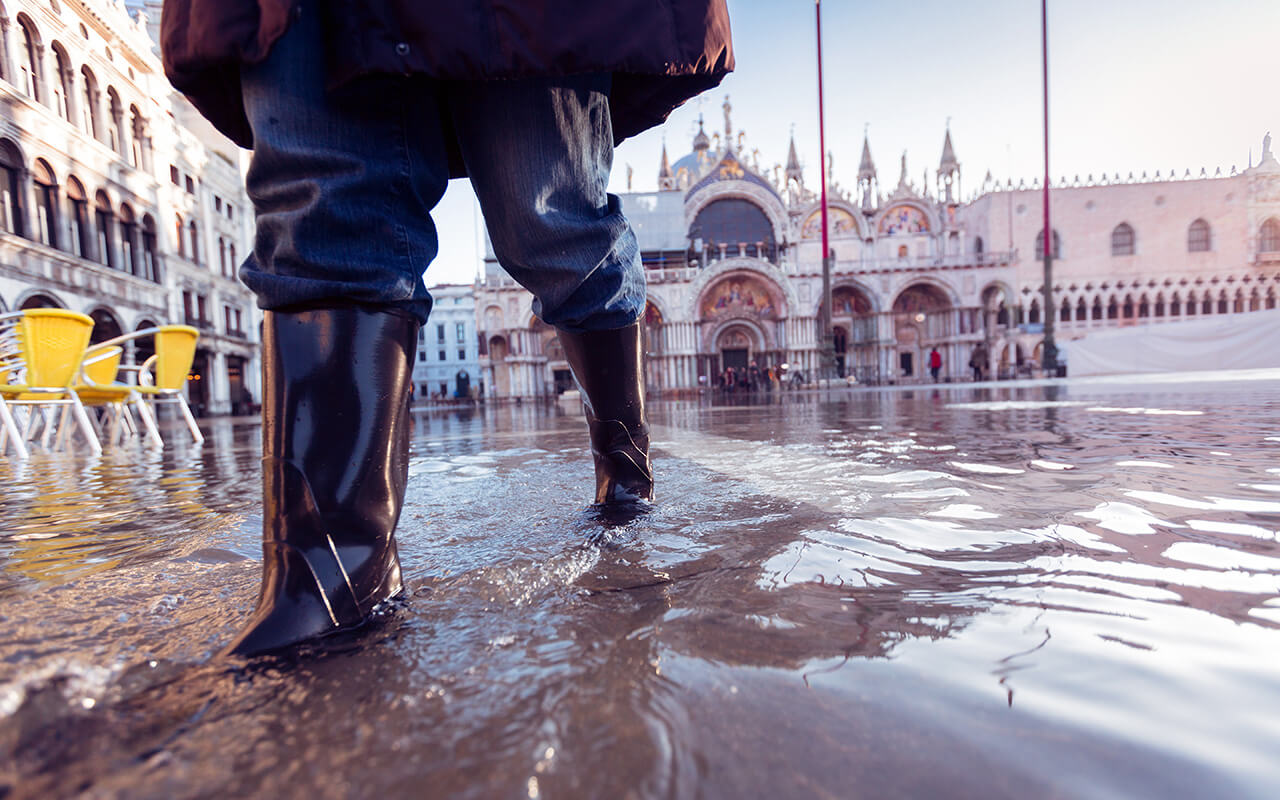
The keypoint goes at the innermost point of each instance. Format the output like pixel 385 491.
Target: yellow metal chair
pixel 98 387
pixel 40 355
pixel 163 377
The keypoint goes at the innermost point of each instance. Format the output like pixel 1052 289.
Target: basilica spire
pixel 700 141
pixel 867 167
pixel 666 180
pixel 794 172
pixel 948 170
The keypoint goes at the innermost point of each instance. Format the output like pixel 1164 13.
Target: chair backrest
pixel 102 364
pixel 175 350
pixel 53 342
pixel 10 344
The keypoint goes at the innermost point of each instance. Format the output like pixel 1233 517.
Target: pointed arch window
pixel 1144 307
pixel 1175 306
pixel 1064 313
pixel 1159 308
pixel 1033 314
pixel 977 247
pixel 11 169
pixel 1199 237
pixel 105 222
pixel 1122 240
pixel 1237 305
pixel 1128 307
pixel 1097 308
pixel 1223 306
pixel 81 236
pixel 1082 310
pixel 1271 298
pixel 1113 308
pixel 1206 304
pixel 46 187
pixel 1269 236
pixel 1057 244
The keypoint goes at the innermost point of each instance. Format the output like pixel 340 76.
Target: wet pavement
pixel 1067 590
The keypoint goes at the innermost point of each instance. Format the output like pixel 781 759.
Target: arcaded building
pixel 119 201
pixel 733 257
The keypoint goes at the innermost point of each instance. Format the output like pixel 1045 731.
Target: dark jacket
pixel 661 52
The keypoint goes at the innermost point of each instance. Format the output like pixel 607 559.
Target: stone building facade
pixel 119 201
pixel 733 257
pixel 448 363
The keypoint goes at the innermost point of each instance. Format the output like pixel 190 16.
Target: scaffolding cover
pixel 1231 341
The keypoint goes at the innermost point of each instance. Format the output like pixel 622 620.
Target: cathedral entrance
pixel 734 358
pixel 906 361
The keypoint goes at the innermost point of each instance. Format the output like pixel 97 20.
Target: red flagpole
pixel 827 344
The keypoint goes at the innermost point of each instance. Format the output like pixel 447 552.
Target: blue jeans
pixel 343 183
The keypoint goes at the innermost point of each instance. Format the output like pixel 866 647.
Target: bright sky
pixel 1135 85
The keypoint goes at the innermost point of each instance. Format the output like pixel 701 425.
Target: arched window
pixel 150 264
pixel 1255 301
pixel 1082 311
pixel 1144 307
pixel 1238 305
pixel 1064 314
pixel 29 68
pixel 1206 304
pixel 1122 240
pixel 732 225
pixel 1033 316
pixel 195 241
pixel 977 247
pixel 1193 305
pixel 81 241
pixel 1097 308
pixel 1057 244
pixel 179 233
pixel 1223 307
pixel 11 187
pixel 1159 309
pixel 1175 305
pixel 1271 298
pixel 1198 237
pixel 1128 307
pixel 105 221
pixel 129 261
pixel 1269 238
pixel 115 124
pixel 46 203
pixel 141 144
pixel 1113 308
pixel 62 83
pixel 89 103
pixel 222 255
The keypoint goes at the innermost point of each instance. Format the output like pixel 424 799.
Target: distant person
pixel 358 114
pixel 935 363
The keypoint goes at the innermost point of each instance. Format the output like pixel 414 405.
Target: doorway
pixel 907 362
pixel 735 358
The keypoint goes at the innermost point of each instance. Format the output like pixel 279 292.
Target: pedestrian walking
pixel 935 363
pixel 358 114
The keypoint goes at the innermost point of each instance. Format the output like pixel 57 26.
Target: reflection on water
pixel 1070 590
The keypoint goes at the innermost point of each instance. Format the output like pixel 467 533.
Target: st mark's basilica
pixel 733 258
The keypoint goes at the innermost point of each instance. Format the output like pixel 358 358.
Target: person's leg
pixel 343 235
pixel 539 153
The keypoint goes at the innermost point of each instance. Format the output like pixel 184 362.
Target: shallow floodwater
pixel 1069 590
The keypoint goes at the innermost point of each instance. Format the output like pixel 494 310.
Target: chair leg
pixel 149 422
pixel 191 420
pixel 11 432
pixel 86 426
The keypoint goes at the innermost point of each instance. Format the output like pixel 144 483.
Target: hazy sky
pixel 1134 85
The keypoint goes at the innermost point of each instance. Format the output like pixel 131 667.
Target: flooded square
pixel 1069 589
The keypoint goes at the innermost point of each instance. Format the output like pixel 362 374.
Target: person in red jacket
pixel 935 363
pixel 358 114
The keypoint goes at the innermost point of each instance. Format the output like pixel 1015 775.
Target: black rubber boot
pixel 606 365
pixel 335 453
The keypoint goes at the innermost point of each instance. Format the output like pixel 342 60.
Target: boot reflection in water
pixel 343 181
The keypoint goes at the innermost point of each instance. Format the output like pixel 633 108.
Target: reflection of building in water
pixel 734 263
pixel 119 201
